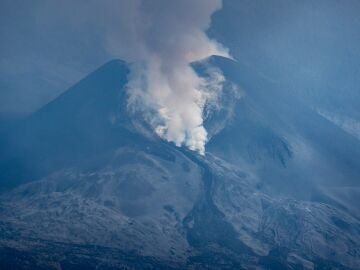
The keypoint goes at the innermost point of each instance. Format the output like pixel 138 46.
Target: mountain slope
pixel 79 124
pixel 284 141
pixel 98 190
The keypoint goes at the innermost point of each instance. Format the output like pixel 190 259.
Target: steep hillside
pixel 92 187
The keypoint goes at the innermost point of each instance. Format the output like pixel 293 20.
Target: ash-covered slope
pixel 76 126
pixel 99 191
pixel 284 141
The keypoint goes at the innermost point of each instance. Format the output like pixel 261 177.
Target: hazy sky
pixel 46 46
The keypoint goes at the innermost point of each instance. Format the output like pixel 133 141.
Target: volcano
pixel 87 185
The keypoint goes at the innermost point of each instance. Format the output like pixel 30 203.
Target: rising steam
pixel 161 38
pixel 170 35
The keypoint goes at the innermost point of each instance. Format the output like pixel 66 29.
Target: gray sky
pixel 46 46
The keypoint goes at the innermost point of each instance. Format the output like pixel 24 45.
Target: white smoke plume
pixel 161 38
pixel 169 36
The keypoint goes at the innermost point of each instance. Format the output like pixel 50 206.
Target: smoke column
pixel 167 37
pixel 160 38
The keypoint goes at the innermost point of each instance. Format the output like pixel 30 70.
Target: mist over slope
pixel 276 189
